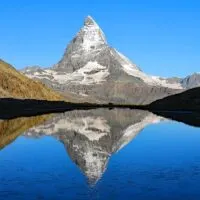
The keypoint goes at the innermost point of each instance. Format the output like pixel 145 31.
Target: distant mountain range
pixel 188 82
pixel 93 70
pixel 191 81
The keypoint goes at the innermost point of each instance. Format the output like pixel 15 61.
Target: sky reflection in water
pixel 99 154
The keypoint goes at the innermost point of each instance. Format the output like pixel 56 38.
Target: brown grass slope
pixel 15 85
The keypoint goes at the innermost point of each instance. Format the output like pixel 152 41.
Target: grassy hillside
pixel 14 84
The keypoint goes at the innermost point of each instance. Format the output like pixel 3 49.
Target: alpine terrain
pixel 188 82
pixel 98 72
pixel 191 81
pixel 15 85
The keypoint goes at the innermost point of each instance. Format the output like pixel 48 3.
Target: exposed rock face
pixel 91 137
pixel 91 68
pixel 191 81
pixel 188 82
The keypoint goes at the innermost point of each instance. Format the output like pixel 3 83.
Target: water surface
pixel 99 154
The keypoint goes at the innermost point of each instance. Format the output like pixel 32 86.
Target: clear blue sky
pixel 162 37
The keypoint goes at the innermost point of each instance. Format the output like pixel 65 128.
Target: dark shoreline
pixel 14 108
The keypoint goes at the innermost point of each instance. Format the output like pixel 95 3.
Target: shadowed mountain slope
pixel 185 101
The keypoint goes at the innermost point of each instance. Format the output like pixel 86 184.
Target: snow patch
pixel 132 70
pixel 93 36
pixel 165 83
pixel 91 73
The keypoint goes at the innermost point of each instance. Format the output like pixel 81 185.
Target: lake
pixel 100 154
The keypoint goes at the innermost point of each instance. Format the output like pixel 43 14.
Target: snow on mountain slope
pixel 91 73
pixel 165 83
pixel 132 69
pixel 82 62
pixel 96 72
pixel 93 35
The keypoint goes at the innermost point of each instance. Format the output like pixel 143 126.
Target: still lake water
pixel 99 154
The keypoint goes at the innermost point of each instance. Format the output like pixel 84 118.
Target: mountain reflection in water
pixel 90 137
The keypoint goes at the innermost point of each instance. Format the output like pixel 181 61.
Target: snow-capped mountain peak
pixel 83 48
pixel 89 38
pixel 89 21
pixel 91 67
pixel 91 34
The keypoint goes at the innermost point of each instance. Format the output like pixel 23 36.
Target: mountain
pixel 14 84
pixel 188 82
pixel 91 137
pixel 186 101
pixel 191 81
pixel 94 70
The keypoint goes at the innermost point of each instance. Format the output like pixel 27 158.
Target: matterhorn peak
pixel 92 35
pixel 89 39
pixel 89 21
pixel 89 63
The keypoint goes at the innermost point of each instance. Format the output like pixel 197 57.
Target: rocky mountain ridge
pixel 94 70
pixel 191 81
